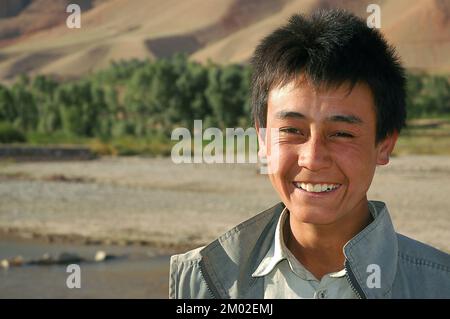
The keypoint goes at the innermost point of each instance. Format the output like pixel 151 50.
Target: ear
pixel 385 148
pixel 262 152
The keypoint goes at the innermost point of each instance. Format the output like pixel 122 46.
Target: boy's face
pixel 324 158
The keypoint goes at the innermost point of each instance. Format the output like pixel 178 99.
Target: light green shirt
pixel 286 278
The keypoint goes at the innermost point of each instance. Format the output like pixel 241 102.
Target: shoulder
pixel 245 229
pixel 423 271
pixel 192 256
pixel 235 247
pixel 416 253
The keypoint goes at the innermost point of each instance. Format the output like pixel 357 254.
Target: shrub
pixel 10 134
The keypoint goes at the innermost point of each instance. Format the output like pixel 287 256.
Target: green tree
pixel 226 94
pixel 43 89
pixel 80 106
pixel 8 112
pixel 24 105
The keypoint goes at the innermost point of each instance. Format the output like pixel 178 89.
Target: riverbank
pixel 152 202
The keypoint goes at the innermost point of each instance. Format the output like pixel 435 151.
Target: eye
pixel 289 130
pixel 343 134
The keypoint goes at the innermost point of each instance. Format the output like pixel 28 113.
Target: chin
pixel 314 215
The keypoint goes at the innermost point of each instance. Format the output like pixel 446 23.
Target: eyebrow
pixel 350 119
pixel 281 115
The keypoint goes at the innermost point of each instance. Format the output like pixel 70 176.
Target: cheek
pixel 284 170
pixel 281 158
pixel 357 164
pixel 285 160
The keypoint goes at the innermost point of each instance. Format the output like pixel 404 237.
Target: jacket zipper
pixel 353 282
pixel 207 280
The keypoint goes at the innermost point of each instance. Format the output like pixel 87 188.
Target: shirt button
pixel 322 294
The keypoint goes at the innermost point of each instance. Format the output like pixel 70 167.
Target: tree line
pixel 144 98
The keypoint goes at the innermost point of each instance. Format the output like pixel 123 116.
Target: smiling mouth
pixel 316 188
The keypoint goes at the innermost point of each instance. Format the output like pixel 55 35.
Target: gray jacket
pixel 223 269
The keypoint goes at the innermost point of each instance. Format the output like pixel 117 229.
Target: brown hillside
pixel 34 38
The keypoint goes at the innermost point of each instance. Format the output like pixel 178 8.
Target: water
pixel 140 274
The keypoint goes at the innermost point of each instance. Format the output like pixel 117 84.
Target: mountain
pixel 34 37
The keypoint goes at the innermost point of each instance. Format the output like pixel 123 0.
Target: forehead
pixel 311 100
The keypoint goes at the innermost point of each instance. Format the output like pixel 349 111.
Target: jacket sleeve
pixel 185 279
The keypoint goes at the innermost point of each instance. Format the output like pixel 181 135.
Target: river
pixel 139 273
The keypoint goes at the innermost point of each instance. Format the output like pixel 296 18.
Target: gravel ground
pixel 156 202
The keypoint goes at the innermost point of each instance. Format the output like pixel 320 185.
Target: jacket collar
pixel 228 263
pixel 277 251
pixel 374 251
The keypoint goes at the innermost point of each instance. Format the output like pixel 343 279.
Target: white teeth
pixel 316 188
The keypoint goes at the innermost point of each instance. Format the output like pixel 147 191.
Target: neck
pixel 319 248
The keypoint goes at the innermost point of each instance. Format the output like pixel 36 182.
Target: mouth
pixel 322 188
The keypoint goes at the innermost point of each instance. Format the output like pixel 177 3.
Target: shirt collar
pixel 279 252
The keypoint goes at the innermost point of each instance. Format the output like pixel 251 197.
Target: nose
pixel 314 154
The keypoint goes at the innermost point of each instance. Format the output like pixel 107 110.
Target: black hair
pixel 330 48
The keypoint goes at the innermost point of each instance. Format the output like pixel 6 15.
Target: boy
pixel 333 92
